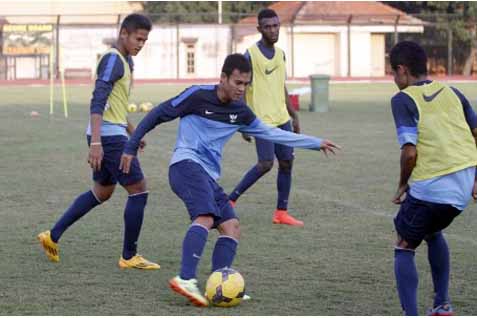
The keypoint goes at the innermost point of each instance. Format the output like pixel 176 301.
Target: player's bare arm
pixel 474 190
pixel 293 113
pixel 95 155
pixel 408 162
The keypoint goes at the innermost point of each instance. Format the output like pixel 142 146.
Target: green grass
pixel 340 263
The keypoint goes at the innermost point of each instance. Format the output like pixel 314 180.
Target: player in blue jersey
pixel 437 132
pixel 210 115
pixel 107 134
pixel 267 96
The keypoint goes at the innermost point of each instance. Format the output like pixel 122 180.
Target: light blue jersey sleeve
pixel 258 129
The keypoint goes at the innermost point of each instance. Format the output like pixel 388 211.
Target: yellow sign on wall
pixel 27 39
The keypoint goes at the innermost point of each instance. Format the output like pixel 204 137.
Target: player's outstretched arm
pixel 280 136
pixel 328 146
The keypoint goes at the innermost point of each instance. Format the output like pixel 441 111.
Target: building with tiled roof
pixel 338 38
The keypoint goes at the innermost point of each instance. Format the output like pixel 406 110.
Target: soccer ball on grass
pixel 225 288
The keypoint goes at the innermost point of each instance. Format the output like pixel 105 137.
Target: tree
pixel 201 11
pixel 459 16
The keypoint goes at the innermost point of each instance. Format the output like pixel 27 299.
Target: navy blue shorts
pixel 417 219
pixel 200 193
pixel 110 174
pixel 267 150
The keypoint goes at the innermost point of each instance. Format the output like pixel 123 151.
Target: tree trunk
pixel 469 61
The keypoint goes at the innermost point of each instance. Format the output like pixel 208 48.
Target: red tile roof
pixel 336 12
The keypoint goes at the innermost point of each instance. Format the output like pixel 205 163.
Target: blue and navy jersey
pixel 206 124
pixel 448 189
pixel 109 70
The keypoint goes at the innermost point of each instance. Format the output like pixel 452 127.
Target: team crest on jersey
pixel 233 118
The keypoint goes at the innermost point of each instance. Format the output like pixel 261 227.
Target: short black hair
pixel 136 21
pixel 265 14
pixel 236 61
pixel 409 54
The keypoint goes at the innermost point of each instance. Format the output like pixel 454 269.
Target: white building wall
pixel 157 59
pixel 80 47
pixel 211 48
pixel 360 53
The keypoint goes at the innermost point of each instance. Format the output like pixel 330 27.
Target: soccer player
pixel 437 132
pixel 107 133
pixel 210 115
pixel 268 97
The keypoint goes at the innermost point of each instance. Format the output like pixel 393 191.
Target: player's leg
pixel 438 256
pixel 135 184
pixel 285 156
pixel 265 154
pixel 229 229
pixel 407 278
pixel 413 223
pixel 81 205
pixel 191 184
pixel 227 242
pixel 104 185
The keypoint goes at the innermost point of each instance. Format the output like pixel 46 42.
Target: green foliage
pixel 459 16
pixel 201 11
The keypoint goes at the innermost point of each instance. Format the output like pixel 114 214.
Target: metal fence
pixel 189 50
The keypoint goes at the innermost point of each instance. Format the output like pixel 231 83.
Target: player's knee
pixel 138 187
pixel 402 243
pixel 230 228
pixel 206 221
pixel 265 166
pixel 103 193
pixel 433 236
pixel 285 165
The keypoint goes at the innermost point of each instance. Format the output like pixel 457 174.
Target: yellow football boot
pixel 51 248
pixel 137 261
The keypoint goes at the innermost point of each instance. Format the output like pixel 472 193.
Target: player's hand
pixel 246 137
pixel 474 191
pixel 142 145
pixel 328 146
pixel 95 156
pixel 296 125
pixel 125 163
pixel 398 196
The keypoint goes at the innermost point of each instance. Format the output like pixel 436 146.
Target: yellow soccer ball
pixel 225 288
pixel 132 108
pixel 145 107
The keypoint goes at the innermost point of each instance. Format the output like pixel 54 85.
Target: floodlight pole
pixel 219 12
pixel 350 19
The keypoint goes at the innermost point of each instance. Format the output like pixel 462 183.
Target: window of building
pixel 190 58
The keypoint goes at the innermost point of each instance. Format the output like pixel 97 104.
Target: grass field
pixel 340 263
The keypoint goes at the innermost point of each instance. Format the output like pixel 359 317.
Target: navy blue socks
pixel 438 255
pixel 192 248
pixel 133 217
pixel 284 180
pixel 406 279
pixel 82 205
pixel 247 181
pixel 224 252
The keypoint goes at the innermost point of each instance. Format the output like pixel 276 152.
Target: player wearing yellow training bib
pixel 437 132
pixel 267 96
pixel 107 134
